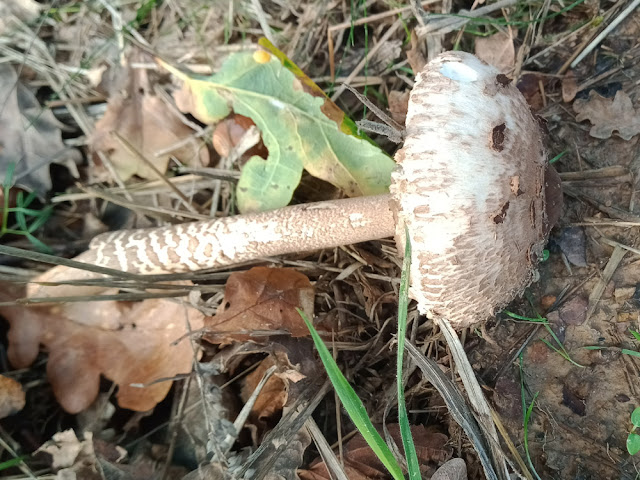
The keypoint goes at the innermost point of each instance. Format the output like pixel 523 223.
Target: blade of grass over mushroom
pixel 294 129
pixel 353 405
pixel 403 419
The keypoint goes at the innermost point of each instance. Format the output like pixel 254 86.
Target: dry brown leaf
pixel 569 86
pixel 261 299
pixel 454 469
pixel 273 396
pixel 360 463
pixel 608 116
pixel 12 397
pixel 398 105
pixel 31 136
pixel 497 50
pixel 229 132
pixel 149 125
pixel 127 342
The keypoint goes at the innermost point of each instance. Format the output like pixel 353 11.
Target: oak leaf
pixel 127 342
pixel 261 300
pixel 360 463
pixel 608 116
pixel 297 129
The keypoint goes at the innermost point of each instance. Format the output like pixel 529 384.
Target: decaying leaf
pixel 569 86
pixel 67 450
pixel 127 342
pixel 296 132
pixel 31 137
pixel 608 116
pixel 398 105
pixel 360 463
pixel 497 50
pixel 454 469
pixel 95 459
pixel 12 397
pixel 147 125
pixel 275 392
pixel 261 299
pixel 23 10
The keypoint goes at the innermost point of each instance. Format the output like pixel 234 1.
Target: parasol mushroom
pixel 472 186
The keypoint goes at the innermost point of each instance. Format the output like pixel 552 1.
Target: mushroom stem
pixel 230 240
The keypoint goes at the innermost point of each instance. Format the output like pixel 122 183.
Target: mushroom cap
pixel 470 187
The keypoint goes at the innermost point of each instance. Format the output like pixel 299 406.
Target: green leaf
pixel 635 334
pixel 353 405
pixel 633 443
pixel 296 132
pixel 635 417
pixel 403 419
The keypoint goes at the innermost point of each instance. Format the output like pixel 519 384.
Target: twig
pixel 632 6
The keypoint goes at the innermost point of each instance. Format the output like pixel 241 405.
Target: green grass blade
pixel 403 419
pixel 527 417
pixel 353 405
pixel 633 353
pixel 12 462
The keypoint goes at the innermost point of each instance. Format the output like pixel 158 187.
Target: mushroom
pixel 472 186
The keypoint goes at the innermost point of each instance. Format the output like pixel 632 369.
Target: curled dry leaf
pixel 608 116
pixel 229 132
pixel 261 299
pixel 11 396
pixel 127 342
pixel 149 125
pixel 454 469
pixel 67 450
pixel 398 105
pixel 273 396
pixel 497 50
pixel 569 87
pixel 360 463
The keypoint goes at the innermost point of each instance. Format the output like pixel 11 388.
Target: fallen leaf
pixel 497 50
pixel 65 449
pixel 12 397
pixel 608 116
pixel 398 105
pixel 573 243
pixel 31 136
pixel 296 132
pixel 569 87
pixel 127 342
pixel 26 11
pixel 275 392
pixel 229 132
pixel 416 59
pixel 360 463
pixel 454 469
pixel 92 458
pixel 261 299
pixel 149 125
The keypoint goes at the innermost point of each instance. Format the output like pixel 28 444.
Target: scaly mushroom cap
pixel 470 187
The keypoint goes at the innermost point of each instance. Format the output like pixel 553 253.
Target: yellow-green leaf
pixel 294 129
